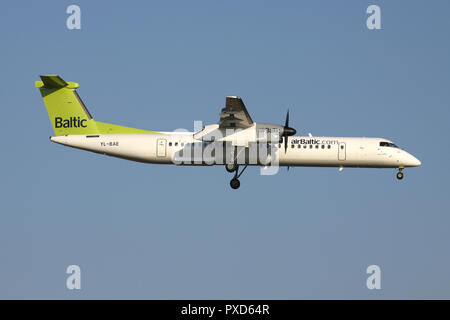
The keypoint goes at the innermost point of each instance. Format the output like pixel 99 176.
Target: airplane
pixel 236 140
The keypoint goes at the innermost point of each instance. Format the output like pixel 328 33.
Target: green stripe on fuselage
pixel 107 128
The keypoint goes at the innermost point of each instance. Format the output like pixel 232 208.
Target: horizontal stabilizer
pixel 53 81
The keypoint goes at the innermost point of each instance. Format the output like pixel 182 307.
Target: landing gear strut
pixel 235 183
pixel 400 174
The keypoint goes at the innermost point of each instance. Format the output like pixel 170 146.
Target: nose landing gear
pixel 400 173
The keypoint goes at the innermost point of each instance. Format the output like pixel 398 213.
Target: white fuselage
pixel 165 148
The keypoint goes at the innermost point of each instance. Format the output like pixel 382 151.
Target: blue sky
pixel 162 232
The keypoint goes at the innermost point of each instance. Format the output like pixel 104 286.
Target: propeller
pixel 287 132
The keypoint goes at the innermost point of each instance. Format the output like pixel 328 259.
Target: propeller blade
pixel 285 144
pixel 286 124
pixel 288 131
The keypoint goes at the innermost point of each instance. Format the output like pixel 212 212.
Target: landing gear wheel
pixel 234 183
pixel 399 175
pixel 231 167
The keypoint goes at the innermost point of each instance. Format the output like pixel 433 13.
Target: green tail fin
pixel 67 112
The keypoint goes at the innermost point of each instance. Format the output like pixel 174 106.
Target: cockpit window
pixel 387 144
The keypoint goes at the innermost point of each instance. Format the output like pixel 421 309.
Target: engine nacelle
pixel 259 133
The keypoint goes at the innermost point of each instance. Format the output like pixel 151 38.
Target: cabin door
pixel 161 147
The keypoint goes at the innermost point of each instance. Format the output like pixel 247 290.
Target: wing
pixel 234 115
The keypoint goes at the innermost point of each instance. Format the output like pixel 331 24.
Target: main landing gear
pixel 235 183
pixel 400 174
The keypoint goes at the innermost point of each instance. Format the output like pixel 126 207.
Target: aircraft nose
pixel 413 161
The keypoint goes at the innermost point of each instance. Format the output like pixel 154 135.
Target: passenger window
pixel 310 146
pixel 176 143
pixel 304 147
pixel 329 146
pixel 342 147
pixel 323 146
pixel 170 144
pixel 292 146
pixel 317 146
pixel 299 146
